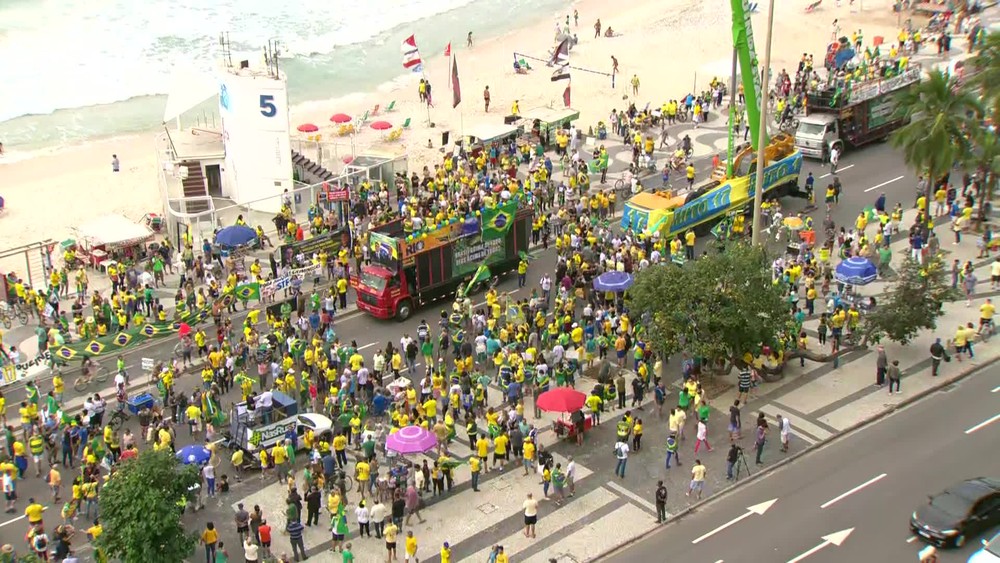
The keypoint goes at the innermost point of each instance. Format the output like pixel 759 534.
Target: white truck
pixel 852 116
pixel 251 430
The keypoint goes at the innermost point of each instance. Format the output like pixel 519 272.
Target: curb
pixel 816 447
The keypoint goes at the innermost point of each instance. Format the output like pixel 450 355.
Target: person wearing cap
pixel 446 553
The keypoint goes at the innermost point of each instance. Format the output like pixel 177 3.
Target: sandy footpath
pixel 667 44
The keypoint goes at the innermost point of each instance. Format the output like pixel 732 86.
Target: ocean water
pixel 80 69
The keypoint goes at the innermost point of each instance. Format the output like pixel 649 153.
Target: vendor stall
pixel 483 135
pixel 545 121
pixel 111 239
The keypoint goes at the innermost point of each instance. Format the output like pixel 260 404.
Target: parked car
pixel 960 512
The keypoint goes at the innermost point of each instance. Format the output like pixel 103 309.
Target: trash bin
pixel 445 136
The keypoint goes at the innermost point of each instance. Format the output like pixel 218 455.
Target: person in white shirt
pixel 377 515
pixel 621 454
pixel 571 476
pixel 250 551
pixel 364 527
pixel 785 429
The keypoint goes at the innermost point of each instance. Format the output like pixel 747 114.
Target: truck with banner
pixel 852 114
pixel 253 429
pixel 410 270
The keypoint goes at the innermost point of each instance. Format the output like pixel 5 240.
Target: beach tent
pixel 113 231
pixel 486 133
pixel 188 89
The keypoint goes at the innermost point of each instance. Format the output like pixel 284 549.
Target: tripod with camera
pixel 736 463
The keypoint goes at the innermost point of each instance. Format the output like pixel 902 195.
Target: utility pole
pixel 758 194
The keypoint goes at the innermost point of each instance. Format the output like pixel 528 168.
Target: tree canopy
pixel 913 301
pixel 717 307
pixel 139 509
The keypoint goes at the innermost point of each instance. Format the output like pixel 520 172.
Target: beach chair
pixel 364 118
pixel 391 106
pixel 375 111
pixel 406 124
pixel 396 134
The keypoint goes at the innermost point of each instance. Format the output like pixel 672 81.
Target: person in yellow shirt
pixel 986 312
pixel 362 472
pixel 411 547
pixel 33 512
pixel 500 453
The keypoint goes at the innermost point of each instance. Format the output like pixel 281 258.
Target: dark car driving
pixel 959 512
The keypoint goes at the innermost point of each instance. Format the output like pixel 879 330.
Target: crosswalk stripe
pixel 634 497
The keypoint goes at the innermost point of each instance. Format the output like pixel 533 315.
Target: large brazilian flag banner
pixel 113 344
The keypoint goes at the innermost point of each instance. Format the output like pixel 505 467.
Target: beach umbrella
pixel 235 235
pixel 347 159
pixel 194 455
pixel 307 128
pixel 381 125
pixel 613 281
pixel 411 440
pixel 561 399
pixel 856 271
pixel 340 118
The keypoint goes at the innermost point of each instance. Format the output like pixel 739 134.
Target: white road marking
pixel 835 538
pixel 18 519
pixel 757 509
pixel 911 539
pixel 852 491
pixel 839 170
pixel 995 389
pixel 636 498
pixel 886 183
pixel 983 424
pixel 360 348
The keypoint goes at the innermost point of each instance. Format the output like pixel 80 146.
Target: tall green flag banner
pixel 498 220
pixel 482 274
pixel 248 291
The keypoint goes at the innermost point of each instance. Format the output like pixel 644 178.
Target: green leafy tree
pixel 140 513
pixel 940 117
pixel 913 302
pixel 986 79
pixel 717 307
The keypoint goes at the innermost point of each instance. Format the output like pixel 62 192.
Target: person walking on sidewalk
pixel 881 365
pixel 760 437
pixel 735 421
pixel 938 353
pixel 672 450
pixel 702 437
pixel 661 503
pixel 697 485
pixel 894 375
pixel 784 431
pixel 530 507
pixel 621 454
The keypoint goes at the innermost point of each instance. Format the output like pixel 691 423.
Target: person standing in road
pixel 894 376
pixel 530 507
pixel 621 454
pixel 661 503
pixel 761 437
pixel 938 353
pixel 834 159
pixel 697 485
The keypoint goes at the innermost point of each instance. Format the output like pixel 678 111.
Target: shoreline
pixel 52 191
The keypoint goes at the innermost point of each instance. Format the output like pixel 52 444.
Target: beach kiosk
pixel 481 136
pixel 545 121
pixel 112 239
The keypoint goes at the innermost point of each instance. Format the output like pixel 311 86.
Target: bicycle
pixel 21 313
pixel 118 419
pixel 8 314
pixel 96 374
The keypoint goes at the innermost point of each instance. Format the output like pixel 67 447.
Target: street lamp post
pixel 758 194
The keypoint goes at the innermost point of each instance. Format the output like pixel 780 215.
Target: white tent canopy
pixel 188 89
pixel 486 132
pixel 113 231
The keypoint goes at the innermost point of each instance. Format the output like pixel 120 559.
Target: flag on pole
pixel 560 55
pixel 482 274
pixel 561 73
pixel 456 90
pixel 248 291
pixel 411 56
pixel 566 96
pixel 447 50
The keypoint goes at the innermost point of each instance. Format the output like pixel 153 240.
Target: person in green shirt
pixel 347 556
pixel 683 399
pixel 703 411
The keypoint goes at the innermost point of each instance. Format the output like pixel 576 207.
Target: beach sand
pixel 667 44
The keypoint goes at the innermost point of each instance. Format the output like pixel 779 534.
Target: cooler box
pixel 139 402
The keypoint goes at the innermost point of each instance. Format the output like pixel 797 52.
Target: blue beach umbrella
pixel 194 455
pixel 856 271
pixel 235 235
pixel 613 281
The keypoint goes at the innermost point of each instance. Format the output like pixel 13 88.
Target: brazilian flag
pixel 482 274
pixel 498 220
pixel 248 291
pixel 122 339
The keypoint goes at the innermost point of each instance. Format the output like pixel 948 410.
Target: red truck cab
pixel 383 293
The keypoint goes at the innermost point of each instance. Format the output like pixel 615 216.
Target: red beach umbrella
pixel 340 118
pixel 381 125
pixel 307 128
pixel 347 159
pixel 561 399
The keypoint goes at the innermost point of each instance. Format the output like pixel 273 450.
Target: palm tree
pixel 985 159
pixel 986 68
pixel 940 116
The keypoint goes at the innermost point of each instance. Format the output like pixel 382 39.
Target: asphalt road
pixel 917 451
